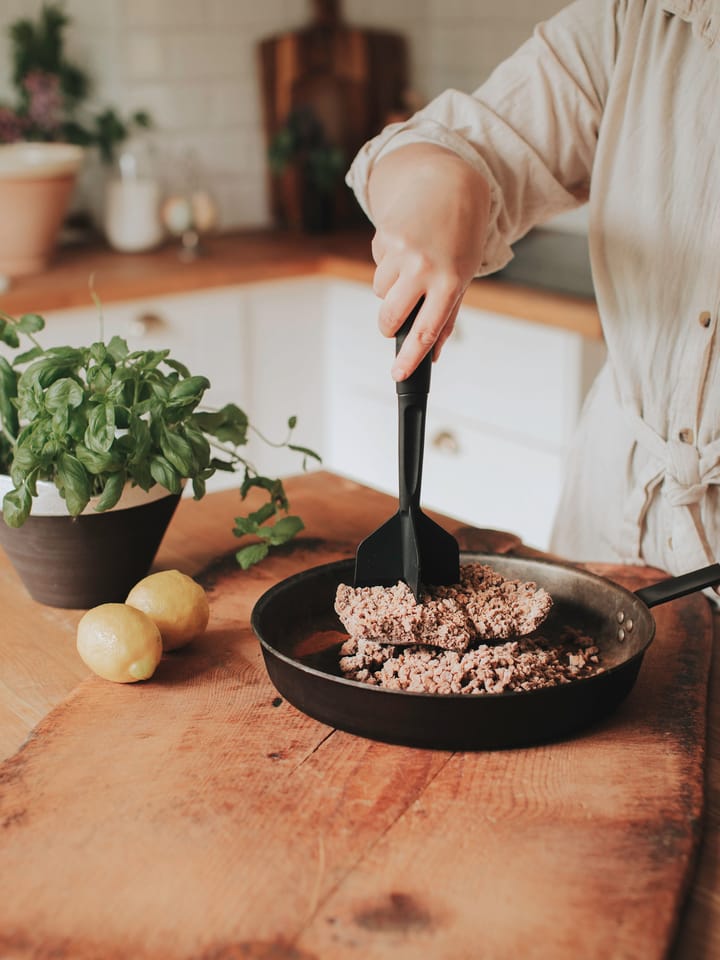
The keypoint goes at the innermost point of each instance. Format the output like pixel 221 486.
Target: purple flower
pixel 45 102
pixel 12 127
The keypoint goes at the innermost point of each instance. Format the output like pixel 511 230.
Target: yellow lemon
pixel 175 602
pixel 119 642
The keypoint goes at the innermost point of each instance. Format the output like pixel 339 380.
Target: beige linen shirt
pixel 616 102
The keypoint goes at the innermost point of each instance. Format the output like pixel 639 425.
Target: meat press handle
pixel 675 587
pixel 419 380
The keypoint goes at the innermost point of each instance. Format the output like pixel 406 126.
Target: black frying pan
pixel 300 635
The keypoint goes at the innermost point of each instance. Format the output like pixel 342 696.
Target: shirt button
pixel 686 435
pixel 705 319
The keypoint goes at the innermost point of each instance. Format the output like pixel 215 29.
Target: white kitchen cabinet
pixel 286 322
pixel 504 401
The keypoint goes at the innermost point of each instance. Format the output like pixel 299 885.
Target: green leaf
pixel 30 323
pixel 306 451
pixel 178 451
pixel 190 387
pixel 74 483
pixel 28 355
pixel 96 461
pixel 198 485
pixel 282 531
pixel 252 554
pixel 8 333
pixel 8 393
pixel 244 526
pixel 229 425
pixel 118 348
pixel 112 491
pixel 100 432
pixel 16 506
pixel 266 511
pixel 274 488
pixel 176 365
pixel 163 472
pixel 60 363
pixel 139 432
pixel 64 393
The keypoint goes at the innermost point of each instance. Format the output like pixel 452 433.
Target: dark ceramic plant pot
pixel 79 562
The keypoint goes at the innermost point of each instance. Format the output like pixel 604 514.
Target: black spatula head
pixel 409 546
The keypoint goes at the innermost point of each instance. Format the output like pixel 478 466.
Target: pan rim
pixel 467 556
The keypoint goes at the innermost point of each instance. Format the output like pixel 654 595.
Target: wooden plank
pixel 198 815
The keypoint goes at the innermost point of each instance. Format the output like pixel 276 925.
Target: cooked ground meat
pixel 523 664
pixel 483 606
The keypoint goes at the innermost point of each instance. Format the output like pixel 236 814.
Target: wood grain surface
pixel 199 816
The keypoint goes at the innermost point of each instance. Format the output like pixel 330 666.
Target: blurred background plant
pixel 51 91
pixel 302 142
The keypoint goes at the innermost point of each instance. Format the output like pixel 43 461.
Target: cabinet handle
pixel 146 323
pixel 446 441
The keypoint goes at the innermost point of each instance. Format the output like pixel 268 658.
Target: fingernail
pixel 398 373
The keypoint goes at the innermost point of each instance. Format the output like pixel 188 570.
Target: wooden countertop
pixel 257 256
pixel 39 668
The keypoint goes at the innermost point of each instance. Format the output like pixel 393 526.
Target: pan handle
pixel 675 587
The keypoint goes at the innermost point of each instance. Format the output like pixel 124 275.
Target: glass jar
pixel 132 200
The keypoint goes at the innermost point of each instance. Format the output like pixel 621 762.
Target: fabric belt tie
pixel 685 473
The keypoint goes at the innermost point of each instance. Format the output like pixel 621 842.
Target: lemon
pixel 119 642
pixel 175 602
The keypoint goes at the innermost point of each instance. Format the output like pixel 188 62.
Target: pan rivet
pixel 621 634
pixel 620 616
pixel 629 625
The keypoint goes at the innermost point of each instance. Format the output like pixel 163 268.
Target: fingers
pixel 446 331
pixel 438 310
pixel 385 277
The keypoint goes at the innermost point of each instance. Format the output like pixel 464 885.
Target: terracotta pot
pixel 79 562
pixel 36 182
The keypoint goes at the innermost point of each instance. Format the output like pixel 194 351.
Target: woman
pixel 614 102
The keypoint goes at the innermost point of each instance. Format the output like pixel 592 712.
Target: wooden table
pixel 39 667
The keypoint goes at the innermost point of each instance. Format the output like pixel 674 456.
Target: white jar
pixel 132 202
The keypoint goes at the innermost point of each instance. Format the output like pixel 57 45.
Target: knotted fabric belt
pixel 684 474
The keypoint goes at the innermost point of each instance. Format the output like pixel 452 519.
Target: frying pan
pixel 300 636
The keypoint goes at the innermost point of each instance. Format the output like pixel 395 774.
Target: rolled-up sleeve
pixel 531 129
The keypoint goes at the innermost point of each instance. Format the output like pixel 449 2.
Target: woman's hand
pixel 430 209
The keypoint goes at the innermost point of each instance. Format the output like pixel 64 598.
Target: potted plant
pixel 43 135
pixel 310 170
pixel 96 445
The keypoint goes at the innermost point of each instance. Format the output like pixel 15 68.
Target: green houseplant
pixel 96 423
pixel 51 91
pixel 45 134
pixel 310 169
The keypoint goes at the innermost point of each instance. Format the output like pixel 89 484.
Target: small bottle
pixel 132 201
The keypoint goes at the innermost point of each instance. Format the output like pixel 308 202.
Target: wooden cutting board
pixel 352 79
pixel 198 816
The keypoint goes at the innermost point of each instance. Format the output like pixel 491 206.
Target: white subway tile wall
pixel 193 66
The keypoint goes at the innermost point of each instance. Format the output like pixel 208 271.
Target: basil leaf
pixel 282 531
pixel 112 491
pixel 16 506
pixel 64 393
pixel 163 472
pixel 251 555
pixel 74 483
pixel 30 323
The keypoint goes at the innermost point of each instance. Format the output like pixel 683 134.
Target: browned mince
pixel 526 663
pixel 438 645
